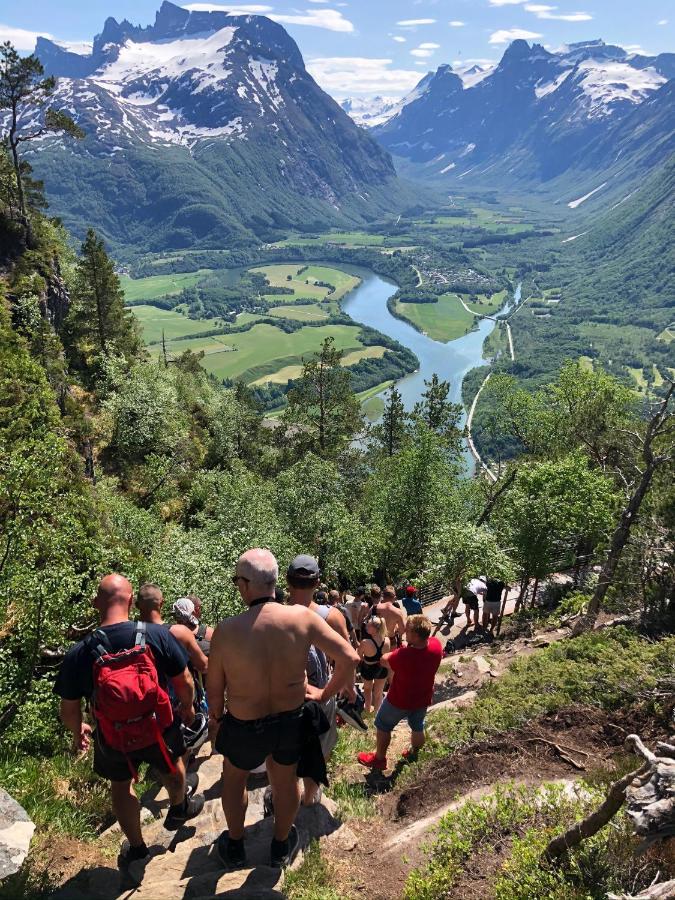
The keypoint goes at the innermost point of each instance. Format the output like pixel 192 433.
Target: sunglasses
pixel 237 578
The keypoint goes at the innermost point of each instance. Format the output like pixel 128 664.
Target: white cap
pixel 184 610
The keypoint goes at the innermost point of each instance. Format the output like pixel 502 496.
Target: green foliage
pixel 459 551
pixel 312 879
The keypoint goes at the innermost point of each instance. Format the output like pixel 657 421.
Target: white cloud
pixel 240 9
pixel 506 2
pixel 344 76
pixel 423 54
pixel 505 36
pixel 430 46
pixel 322 1
pixel 398 39
pixel 456 24
pixel 330 19
pixel 662 22
pixel 411 23
pixel 548 12
pixel 20 37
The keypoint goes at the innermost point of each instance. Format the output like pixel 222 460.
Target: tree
pixel 459 551
pixel 391 432
pixel 438 413
pixel 323 412
pixel 99 323
pixel 23 88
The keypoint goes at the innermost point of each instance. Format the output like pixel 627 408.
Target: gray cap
pixel 305 566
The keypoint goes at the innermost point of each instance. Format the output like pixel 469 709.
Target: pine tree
pixel 437 412
pixel 391 432
pixel 322 404
pixel 99 323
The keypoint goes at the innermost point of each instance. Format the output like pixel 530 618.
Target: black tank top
pixel 378 652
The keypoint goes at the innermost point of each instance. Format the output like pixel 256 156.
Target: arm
pixel 337 622
pixel 71 716
pixel 216 682
pixel 336 648
pixel 184 688
pixel 386 660
pixel 192 648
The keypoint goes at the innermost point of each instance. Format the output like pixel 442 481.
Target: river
pixel 367 304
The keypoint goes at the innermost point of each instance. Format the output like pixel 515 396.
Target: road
pixel 469 439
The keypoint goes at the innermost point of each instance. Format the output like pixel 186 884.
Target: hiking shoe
pixel 282 853
pixel 129 855
pixel 370 761
pixel 350 714
pixel 268 803
pixel 178 815
pixel 231 853
pixel 191 783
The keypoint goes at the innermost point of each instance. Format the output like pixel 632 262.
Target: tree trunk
pixel 490 505
pixel 523 589
pixel 533 601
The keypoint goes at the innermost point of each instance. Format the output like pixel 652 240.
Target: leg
pixel 383 741
pixel 417 740
pixel 175 783
pixel 235 798
pixel 127 811
pixel 378 692
pixel 486 618
pixel 310 792
pixel 368 694
pixel 286 794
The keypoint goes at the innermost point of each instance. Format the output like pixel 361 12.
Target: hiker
pixel 302 576
pixel 470 597
pixel 411 602
pixel 492 603
pixel 259 658
pixel 392 615
pixel 448 613
pixel 414 668
pixel 371 650
pixel 138 660
pixel 336 602
pixel 358 608
pixel 375 595
pixel 150 601
pixel 187 611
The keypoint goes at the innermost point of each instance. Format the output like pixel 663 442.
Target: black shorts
pixel 114 765
pixel 471 603
pixel 373 671
pixel 248 742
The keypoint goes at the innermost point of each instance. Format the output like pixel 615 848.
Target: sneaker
pixel 350 714
pixel 232 854
pixel 191 783
pixel 282 853
pixel 370 761
pixel 177 816
pixel 410 753
pixel 129 855
pixel 268 803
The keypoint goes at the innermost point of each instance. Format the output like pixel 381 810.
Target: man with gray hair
pixel 258 659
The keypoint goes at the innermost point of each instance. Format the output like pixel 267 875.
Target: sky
pixel 366 47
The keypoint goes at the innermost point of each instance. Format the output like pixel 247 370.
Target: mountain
pixel 204 128
pixel 533 116
pixel 369 111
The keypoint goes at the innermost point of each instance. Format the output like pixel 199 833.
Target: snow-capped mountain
pixel 528 116
pixel 218 109
pixel 369 111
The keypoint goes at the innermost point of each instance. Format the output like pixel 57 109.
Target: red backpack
pixel 132 709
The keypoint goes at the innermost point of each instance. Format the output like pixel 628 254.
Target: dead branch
pixel 561 752
pixel 663 891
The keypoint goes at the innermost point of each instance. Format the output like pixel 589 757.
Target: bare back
pixel 262 655
pixel 394 618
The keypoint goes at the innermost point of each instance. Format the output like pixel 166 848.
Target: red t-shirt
pixel 414 671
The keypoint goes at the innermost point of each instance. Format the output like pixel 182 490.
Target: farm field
pixel 303 283
pixel 486 306
pixel 264 349
pixel 442 321
pixel 343 238
pixel 154 321
pixel 294 371
pixel 300 313
pixel 153 286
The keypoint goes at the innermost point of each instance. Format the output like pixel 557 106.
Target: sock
pixel 235 843
pixel 279 847
pixel 139 852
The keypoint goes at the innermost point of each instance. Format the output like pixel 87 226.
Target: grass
pixel 486 306
pixel 443 321
pixel 153 286
pixel 302 313
pixel 312 879
pixel 373 408
pixel 282 376
pixel 303 283
pixel 264 349
pixel 343 238
pixel 154 321
pixel 521 821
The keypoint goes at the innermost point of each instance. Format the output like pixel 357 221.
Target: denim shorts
pixel 388 716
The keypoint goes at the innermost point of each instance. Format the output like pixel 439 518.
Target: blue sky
pixel 364 47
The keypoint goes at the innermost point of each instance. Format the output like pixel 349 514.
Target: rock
pixel 343 839
pixel 16 831
pixel 465 699
pixel 482 665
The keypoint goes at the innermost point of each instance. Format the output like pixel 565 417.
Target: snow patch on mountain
pixel 609 82
pixel 574 203
pixel 543 90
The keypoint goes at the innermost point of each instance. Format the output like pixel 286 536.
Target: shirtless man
pixel 392 615
pixel 149 602
pixel 259 659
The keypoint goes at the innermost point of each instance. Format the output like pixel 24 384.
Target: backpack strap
pixel 141 635
pixel 98 643
pixel 201 632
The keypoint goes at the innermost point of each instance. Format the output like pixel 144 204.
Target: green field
pixel 301 313
pixel 443 321
pixel 342 238
pixel 486 306
pixel 153 286
pixel 264 349
pixel 304 284
pixel 282 376
pixel 155 321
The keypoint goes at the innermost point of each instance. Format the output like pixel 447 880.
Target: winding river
pixel 367 304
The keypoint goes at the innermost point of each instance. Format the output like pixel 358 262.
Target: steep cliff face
pixel 205 126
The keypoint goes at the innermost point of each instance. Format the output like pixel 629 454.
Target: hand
pixel 313 693
pixel 350 693
pixel 82 741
